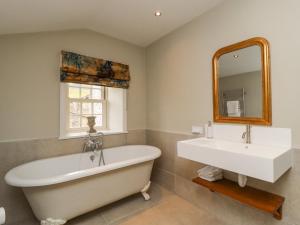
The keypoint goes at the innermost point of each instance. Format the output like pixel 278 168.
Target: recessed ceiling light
pixel 157 13
pixel 235 56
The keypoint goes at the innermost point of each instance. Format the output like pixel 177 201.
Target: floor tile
pixel 133 204
pixel 92 218
pixel 173 210
pixel 164 208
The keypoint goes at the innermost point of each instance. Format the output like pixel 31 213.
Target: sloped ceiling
pixel 129 20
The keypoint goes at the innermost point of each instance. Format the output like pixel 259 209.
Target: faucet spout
pixel 247 134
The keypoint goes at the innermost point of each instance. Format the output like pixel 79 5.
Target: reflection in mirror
pixel 240 83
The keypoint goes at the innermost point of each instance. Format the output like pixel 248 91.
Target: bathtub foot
pixel 144 191
pixel 50 221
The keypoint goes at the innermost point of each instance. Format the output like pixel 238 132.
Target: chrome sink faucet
pixel 247 134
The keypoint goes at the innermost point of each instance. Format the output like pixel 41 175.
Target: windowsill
pixel 85 134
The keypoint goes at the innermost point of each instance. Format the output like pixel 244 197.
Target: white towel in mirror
pixel 233 108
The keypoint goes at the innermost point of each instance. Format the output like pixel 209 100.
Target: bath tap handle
pixel 244 135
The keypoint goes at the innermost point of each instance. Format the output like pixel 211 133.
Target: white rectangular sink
pixel 263 162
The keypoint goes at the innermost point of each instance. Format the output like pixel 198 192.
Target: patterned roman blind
pixel 76 68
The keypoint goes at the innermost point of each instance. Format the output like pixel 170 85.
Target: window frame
pixel 116 105
pixel 65 109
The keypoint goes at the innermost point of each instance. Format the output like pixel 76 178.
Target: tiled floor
pixel 164 208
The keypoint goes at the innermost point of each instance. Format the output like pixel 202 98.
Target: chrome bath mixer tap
pixel 94 143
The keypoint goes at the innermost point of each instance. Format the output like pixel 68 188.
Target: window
pixel 83 101
pixel 78 101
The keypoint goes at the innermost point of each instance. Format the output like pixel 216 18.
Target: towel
pixel 233 108
pixel 210 173
pixel 211 179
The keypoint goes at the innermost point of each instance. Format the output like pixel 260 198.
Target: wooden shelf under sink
pixel 256 198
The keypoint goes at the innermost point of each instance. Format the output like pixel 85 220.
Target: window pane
pixel 85 93
pixel 99 121
pixel 96 93
pixel 74 92
pixel 75 108
pixel 86 108
pixel 97 108
pixel 74 121
pixel 84 121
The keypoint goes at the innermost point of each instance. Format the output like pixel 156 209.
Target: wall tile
pixel 164 178
pixel 136 137
pixel 167 142
pixel 187 168
pixel 159 140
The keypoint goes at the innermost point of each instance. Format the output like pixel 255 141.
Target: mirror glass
pixel 240 83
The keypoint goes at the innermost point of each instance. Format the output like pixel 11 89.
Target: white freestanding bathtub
pixel 62 188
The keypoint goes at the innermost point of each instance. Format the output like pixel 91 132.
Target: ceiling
pixel 129 20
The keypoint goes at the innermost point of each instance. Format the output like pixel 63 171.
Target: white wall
pixel 29 79
pixel 179 76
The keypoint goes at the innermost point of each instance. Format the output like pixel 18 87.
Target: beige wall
pixel 29 79
pixel 179 86
pixel 252 84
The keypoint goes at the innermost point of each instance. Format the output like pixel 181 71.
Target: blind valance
pixel 76 68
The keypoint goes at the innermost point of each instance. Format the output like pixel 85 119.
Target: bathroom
pixel 168 54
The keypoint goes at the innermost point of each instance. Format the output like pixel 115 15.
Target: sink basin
pixel 263 162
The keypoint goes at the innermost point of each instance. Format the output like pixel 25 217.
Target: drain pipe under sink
pixel 242 180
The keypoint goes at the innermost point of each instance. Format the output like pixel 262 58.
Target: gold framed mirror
pixel 241 83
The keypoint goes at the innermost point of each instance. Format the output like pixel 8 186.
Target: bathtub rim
pixel 13 180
